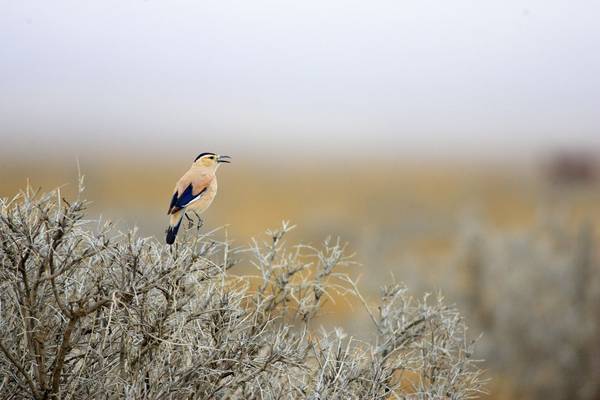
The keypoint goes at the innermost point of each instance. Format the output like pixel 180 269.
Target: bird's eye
pixel 212 157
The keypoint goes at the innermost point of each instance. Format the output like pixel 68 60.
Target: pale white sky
pixel 400 77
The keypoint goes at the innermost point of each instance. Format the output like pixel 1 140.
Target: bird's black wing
pixel 179 202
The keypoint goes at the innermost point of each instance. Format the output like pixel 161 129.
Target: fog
pixel 496 79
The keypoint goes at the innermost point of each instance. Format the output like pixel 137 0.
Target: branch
pixel 19 368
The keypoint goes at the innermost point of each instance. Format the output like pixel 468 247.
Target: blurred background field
pixel 515 248
pixel 454 145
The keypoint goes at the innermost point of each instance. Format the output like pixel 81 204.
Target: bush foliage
pixel 87 312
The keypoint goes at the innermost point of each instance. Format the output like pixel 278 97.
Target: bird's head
pixel 211 160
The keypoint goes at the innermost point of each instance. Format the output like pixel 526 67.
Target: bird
pixel 194 191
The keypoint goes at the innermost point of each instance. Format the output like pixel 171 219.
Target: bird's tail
pixel 174 223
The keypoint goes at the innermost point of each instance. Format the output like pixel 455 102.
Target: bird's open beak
pixel 224 159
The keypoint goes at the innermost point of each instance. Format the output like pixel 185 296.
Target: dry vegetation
pixel 86 312
pixel 535 296
pixel 519 254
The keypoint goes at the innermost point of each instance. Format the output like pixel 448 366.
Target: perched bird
pixel 194 191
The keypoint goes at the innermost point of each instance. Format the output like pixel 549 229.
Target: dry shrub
pixel 535 296
pixel 86 312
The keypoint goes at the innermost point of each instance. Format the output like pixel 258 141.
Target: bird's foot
pixel 190 221
pixel 199 221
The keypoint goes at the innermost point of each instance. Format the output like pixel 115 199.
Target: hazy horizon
pixel 508 79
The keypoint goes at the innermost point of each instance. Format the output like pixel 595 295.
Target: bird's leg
pixel 200 221
pixel 190 220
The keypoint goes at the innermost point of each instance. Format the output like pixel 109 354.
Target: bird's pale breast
pixel 203 202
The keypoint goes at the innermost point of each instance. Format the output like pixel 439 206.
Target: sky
pixel 403 78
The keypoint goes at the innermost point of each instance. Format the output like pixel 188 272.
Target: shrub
pixel 86 312
pixel 535 295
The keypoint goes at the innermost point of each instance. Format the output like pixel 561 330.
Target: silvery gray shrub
pixel 90 313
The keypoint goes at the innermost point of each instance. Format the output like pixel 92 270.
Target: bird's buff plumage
pixel 194 191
